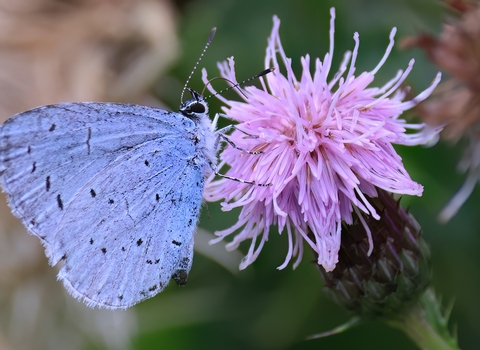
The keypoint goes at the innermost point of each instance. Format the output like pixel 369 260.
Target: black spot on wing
pixel 111 201
pixel 104 250
pixel 176 243
pixel 52 127
pixel 47 183
pixel 157 197
pixel 139 242
pixel 152 288
pixel 91 240
pixel 93 193
pixel 120 297
pixel 34 166
pixel 147 163
pixel 59 202
pixel 89 136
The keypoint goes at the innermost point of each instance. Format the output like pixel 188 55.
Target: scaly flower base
pixel 391 282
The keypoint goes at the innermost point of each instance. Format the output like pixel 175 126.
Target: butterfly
pixel 112 190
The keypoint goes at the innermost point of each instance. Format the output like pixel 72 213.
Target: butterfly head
pixel 196 107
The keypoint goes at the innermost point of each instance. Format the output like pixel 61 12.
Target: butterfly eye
pixel 197 108
pixel 193 108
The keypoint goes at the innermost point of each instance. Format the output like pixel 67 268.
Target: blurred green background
pixel 263 308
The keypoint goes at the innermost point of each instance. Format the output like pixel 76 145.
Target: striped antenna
pixel 210 38
pixel 233 86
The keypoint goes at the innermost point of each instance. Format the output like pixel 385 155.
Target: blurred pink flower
pixel 326 145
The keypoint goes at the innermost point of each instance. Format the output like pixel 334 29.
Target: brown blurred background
pixel 70 50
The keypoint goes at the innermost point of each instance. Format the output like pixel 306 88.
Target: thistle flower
pixel 325 144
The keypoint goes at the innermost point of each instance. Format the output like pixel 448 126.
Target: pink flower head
pixel 326 144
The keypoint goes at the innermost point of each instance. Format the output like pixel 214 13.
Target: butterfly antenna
pixel 210 38
pixel 233 86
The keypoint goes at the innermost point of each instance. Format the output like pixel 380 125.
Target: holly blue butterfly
pixel 112 190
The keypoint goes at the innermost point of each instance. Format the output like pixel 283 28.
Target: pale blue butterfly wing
pixel 113 190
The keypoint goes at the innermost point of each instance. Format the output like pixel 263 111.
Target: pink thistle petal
pixel 326 146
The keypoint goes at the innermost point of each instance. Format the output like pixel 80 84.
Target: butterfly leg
pixel 215 170
pixel 221 136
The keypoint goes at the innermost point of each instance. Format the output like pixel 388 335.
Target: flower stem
pixel 425 325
